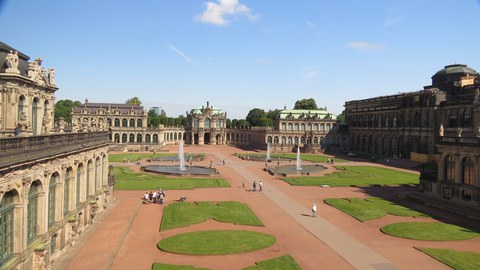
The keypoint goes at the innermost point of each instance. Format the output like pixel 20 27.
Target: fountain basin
pixel 175 170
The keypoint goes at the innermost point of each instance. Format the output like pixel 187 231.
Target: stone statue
pixel 43 76
pixel 45 124
pixel 459 132
pixel 440 131
pixel 34 70
pixel 12 62
pixel 24 124
pixel 61 125
pixel 51 76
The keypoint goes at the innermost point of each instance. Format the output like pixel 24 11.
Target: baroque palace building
pixel 127 125
pixel 439 124
pixel 52 183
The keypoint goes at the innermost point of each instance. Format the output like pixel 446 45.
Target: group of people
pixel 330 161
pixel 154 197
pixel 260 185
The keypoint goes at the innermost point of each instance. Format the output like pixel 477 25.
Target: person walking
pixel 260 185
pixel 314 210
pixel 254 185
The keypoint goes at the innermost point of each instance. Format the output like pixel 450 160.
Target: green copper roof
pixel 299 114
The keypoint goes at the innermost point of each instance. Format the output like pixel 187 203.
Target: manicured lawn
pixel 162 266
pixel 458 260
pixel 126 179
pixel 134 156
pixel 430 231
pixel 293 156
pixel 216 242
pixel 371 208
pixel 285 262
pixel 184 214
pixel 360 176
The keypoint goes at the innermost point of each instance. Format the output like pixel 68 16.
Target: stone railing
pixel 460 140
pixel 18 150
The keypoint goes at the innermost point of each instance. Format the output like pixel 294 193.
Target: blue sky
pixel 240 54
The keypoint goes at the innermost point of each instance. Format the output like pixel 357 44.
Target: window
pixel 109 121
pixel 79 180
pixel 467 118
pixel 206 123
pixel 295 127
pixel 315 127
pixel 131 138
pixel 117 122
pixel 450 168
pixel 452 119
pixel 117 138
pixel 139 123
pixel 51 199
pixel 139 138
pixel 32 210
pixel 284 140
pixel 88 173
pixel 132 122
pixel 155 138
pixel 468 168
pixel 147 138
pixel 66 191
pixel 21 104
pixel 124 138
pixel 7 206
pixel 124 122
pixel 302 127
pixel 283 126
pixel 322 127
pixel 275 140
pixel 98 174
pixel 290 126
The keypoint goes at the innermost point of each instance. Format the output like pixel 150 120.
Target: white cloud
pixel 215 12
pixel 183 55
pixel 309 74
pixel 364 46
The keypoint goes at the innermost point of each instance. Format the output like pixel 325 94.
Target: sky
pixel 242 54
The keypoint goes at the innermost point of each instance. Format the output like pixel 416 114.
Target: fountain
pixel 299 165
pixel 268 152
pixel 181 157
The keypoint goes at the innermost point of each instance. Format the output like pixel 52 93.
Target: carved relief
pixel 11 62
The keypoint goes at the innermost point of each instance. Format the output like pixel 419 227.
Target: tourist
pixel 254 185
pixel 243 184
pixel 154 197
pixel 150 196
pixel 145 198
pixel 314 210
pixel 260 185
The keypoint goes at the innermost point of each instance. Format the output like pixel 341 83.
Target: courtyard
pixel 127 234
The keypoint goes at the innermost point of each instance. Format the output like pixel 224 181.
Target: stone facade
pixel 206 125
pixel 127 125
pixel 51 184
pixel 439 124
pixel 312 130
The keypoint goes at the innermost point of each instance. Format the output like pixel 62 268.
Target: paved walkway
pixel 352 251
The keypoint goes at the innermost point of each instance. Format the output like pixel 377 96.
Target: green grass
pixel 459 260
pixel 219 242
pixel 371 208
pixel 162 266
pixel 184 214
pixel 305 157
pixel 134 156
pixel 126 179
pixel 430 231
pixel 360 176
pixel 285 262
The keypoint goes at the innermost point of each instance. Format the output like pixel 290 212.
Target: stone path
pixel 354 252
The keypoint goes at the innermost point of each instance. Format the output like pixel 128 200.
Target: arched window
pixel 315 140
pixel 131 138
pixel 124 122
pixel 322 127
pixel 296 140
pixel 66 190
pixel 139 138
pixel 35 116
pixel 315 127
pixel 467 118
pixel 289 139
pixel 147 138
pixel 88 177
pixel 295 126
pixel 284 140
pixel 283 126
pixel 309 127
pixel 290 126
pixel 450 168
pixel 155 138
pixel 302 126
pixel 117 122
pixel 51 198
pixel 132 122
pixel 32 210
pixel 275 140
pixel 302 140
pixel 117 138
pixel 124 138
pixel 98 174
pixel 109 121
pixel 206 123
pixel 21 105
pixel 139 123
pixel 468 170
pixel 80 171
pixel 328 126
pixel 452 119
pixel 7 228
pixel 174 136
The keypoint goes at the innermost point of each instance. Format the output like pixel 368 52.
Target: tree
pixel 306 104
pixel 63 108
pixel 152 118
pixel 254 117
pixel 242 123
pixel 341 117
pixel 134 101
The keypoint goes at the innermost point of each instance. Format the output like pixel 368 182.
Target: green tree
pixel 63 108
pixel 242 123
pixel 254 117
pixel 152 118
pixel 134 101
pixel 234 123
pixel 180 121
pixel 306 104
pixel 341 117
pixel 229 123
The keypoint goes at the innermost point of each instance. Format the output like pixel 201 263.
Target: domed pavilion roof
pixel 457 69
